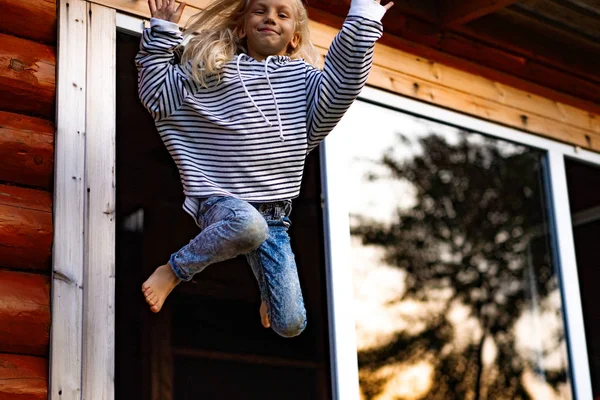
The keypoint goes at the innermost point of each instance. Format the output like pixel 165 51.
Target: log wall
pixel 27 102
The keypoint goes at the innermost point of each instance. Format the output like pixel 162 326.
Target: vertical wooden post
pixel 69 247
pixel 83 294
pixel 99 277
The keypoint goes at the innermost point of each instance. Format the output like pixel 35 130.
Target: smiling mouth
pixel 267 30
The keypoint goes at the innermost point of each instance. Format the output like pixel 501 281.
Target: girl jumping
pixel 239 107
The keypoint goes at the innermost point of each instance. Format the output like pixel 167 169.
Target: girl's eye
pixel 259 12
pixel 283 16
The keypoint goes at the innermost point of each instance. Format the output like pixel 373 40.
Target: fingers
pixel 388 5
pixel 152 5
pixel 179 10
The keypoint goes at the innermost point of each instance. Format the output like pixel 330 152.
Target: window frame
pixel 337 236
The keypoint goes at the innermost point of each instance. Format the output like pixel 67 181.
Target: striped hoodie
pixel 248 136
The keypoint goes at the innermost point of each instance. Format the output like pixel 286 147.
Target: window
pixel 450 257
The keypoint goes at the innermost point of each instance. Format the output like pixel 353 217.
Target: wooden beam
pixel 23 377
pixel 24 313
pixel 26 150
pixel 69 192
pixel 27 76
pixel 30 19
pixel 25 228
pixel 453 13
pixel 542 42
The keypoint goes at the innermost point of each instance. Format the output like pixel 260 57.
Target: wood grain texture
pixel 25 228
pixel 23 377
pixel 26 150
pixel 27 76
pixel 99 276
pixel 30 19
pixel 24 313
pixel 69 192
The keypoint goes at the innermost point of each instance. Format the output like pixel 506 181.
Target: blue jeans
pixel 230 227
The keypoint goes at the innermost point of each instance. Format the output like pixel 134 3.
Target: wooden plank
pixel 99 277
pixel 482 108
pixel 23 377
pixel 24 313
pixel 453 13
pixel 30 19
pixel 437 74
pixel 140 8
pixel 27 76
pixel 26 150
pixel 25 228
pixel 521 66
pixel 68 250
pixel 576 20
pixel 543 42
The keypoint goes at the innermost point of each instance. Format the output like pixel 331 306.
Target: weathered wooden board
pixel 30 19
pixel 26 150
pixel 23 377
pixel 24 313
pixel 69 244
pixel 27 76
pixel 25 228
pixel 99 277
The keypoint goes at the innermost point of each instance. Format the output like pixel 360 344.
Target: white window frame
pixel 339 276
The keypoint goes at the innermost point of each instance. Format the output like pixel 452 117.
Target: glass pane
pixel 584 198
pixel 456 295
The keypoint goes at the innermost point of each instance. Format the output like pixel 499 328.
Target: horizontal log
pixel 25 228
pixel 23 377
pixel 26 150
pixel 27 77
pixel 30 19
pixel 24 313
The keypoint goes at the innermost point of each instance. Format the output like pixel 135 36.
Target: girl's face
pixel 270 28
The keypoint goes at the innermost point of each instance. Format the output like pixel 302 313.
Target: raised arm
pixel 331 92
pixel 161 81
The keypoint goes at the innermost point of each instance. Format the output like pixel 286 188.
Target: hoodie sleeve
pixel 331 92
pixel 162 82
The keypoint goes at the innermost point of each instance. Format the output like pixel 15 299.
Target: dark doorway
pixel 584 197
pixel 207 342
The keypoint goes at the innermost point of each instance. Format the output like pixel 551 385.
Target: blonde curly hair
pixel 212 37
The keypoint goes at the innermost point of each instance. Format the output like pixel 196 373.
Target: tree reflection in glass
pixel 455 290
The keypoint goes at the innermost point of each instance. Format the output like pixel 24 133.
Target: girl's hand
pixel 165 9
pixel 387 6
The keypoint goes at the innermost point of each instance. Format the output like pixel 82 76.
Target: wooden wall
pixel 27 101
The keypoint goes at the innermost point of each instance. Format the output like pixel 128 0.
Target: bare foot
pixel 264 318
pixel 158 286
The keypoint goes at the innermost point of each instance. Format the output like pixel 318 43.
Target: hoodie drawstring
pixel 272 92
